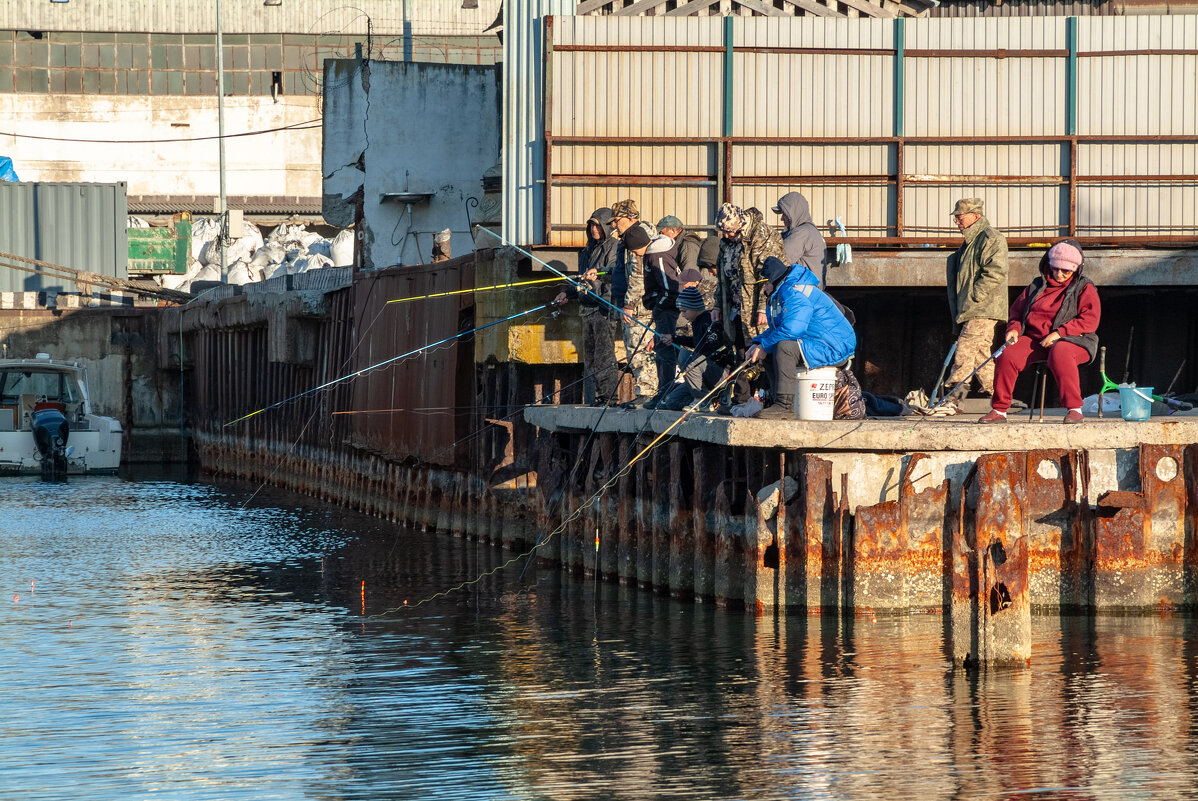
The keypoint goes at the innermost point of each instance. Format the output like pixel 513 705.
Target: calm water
pixel 158 639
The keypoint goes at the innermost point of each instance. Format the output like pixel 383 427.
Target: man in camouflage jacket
pixel 746 242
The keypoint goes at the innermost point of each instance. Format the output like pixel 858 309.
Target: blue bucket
pixel 1134 407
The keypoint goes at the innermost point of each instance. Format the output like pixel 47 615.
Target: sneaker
pixel 652 402
pixel 1073 416
pixel 993 417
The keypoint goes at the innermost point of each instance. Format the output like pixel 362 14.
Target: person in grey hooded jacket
pixel 801 238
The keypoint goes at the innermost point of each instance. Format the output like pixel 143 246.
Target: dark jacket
pixel 627 281
pixel 803 241
pixel 1076 319
pixel 709 341
pixel 598 254
pixel 662 274
pixel 800 311
pixel 686 252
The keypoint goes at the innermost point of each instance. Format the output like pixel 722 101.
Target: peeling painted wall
pixel 278 163
pixel 407 128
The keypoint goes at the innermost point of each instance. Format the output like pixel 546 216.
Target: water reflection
pixel 180 645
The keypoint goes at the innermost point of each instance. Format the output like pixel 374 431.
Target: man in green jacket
pixel 977 294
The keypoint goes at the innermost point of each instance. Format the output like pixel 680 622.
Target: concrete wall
pixel 280 163
pixel 381 17
pixel 127 380
pixel 395 127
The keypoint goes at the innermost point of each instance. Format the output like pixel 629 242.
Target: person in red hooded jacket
pixel 1054 320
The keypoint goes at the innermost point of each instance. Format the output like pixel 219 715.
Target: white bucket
pixel 815 393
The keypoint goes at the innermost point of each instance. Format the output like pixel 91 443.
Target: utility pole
pixel 407 33
pixel 223 207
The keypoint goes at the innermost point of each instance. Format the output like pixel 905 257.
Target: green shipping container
pixel 158 251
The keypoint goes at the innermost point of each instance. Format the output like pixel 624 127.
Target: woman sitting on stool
pixel 1054 319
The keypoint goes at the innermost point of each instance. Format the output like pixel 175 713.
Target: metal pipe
pixel 1102 372
pixel 1031 408
pixel 1043 392
pixel 220 138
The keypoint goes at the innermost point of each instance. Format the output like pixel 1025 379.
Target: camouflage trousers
pixel 975 343
pixel 599 353
pixel 640 361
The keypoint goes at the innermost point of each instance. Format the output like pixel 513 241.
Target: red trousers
pixel 1063 360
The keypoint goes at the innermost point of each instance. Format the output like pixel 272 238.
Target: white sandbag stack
pixel 290 249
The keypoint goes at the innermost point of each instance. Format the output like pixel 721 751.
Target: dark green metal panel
pixel 728 76
pixel 899 52
pixel 160 250
pixel 1071 77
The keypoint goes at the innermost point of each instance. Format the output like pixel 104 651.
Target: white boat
pixel 46 420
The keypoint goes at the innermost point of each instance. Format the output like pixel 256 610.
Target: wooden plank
pixel 868 8
pixel 815 9
pixel 764 9
pixel 693 7
pixel 587 6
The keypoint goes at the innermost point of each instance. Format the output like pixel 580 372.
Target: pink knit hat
pixel 1064 256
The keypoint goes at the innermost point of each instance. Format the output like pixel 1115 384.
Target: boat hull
pixel 96 450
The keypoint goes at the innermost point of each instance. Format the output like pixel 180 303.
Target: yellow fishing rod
pixel 481 289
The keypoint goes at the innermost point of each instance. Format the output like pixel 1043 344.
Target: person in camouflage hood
pixel 627 292
pixel 746 242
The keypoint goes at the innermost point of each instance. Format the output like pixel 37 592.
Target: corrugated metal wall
pixel 81 226
pixel 381 17
pixel 525 116
pixel 1084 127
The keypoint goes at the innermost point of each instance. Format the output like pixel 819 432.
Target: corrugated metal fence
pixel 1084 127
pixel 81 226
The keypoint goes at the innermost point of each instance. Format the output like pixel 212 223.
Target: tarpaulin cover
pixel 7 173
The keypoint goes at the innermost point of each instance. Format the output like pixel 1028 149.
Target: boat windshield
pixel 55 385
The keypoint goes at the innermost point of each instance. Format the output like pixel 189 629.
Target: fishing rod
pixel 961 383
pixel 576 284
pixel 575 514
pixel 479 289
pixel 943 370
pixel 582 451
pixel 386 362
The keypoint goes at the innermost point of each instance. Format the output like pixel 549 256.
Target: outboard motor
pixel 50 432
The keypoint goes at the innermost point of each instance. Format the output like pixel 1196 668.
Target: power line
pixel 306 125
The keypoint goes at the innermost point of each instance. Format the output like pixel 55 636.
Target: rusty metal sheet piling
pixel 609 524
pixel 643 525
pixel 626 546
pixel 925 515
pixel 710 499
pixel 1057 558
pixel 991 609
pixel 1162 477
pixel 681 526
pixel 659 495
pixel 813 567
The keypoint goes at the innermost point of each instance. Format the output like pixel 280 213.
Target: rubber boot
pixel 783 408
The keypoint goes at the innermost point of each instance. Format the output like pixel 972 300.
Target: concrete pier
pixel 985 524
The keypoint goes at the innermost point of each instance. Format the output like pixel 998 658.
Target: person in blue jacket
pixel 806 330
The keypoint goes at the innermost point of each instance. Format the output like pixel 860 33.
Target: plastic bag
pixel 1110 403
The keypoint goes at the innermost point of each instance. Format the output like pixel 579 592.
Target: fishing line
pixel 961 383
pixel 478 289
pixel 576 284
pixel 384 363
pixel 578 511
pixel 582 452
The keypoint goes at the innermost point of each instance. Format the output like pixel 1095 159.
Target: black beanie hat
pixel 774 270
pixel 636 238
